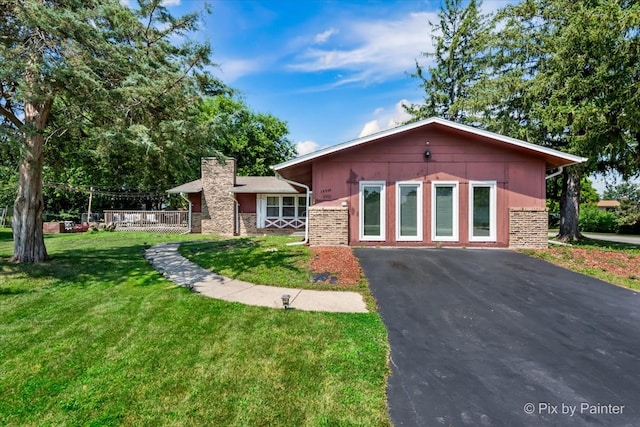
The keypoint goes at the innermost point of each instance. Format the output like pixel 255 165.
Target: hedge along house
pixel 423 184
pixel 428 183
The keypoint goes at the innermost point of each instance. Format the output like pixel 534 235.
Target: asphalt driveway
pixel 497 338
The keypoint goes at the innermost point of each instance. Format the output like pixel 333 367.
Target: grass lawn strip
pixel 97 337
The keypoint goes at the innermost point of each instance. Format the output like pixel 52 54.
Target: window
pixel 281 211
pixel 482 211
pixel 288 207
pixel 372 210
pixel 409 211
pixel 302 207
pixel 444 211
pixel 273 206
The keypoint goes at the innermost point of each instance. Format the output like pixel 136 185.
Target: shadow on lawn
pixel 83 266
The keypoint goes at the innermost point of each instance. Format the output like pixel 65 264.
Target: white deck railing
pixel 157 221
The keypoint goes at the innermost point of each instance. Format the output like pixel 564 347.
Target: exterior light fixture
pixel 285 300
pixel 427 155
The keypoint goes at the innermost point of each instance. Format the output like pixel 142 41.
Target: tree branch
pixel 12 117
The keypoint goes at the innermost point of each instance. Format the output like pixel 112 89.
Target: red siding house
pixel 433 182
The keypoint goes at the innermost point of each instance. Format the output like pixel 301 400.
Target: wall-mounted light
pixel 427 155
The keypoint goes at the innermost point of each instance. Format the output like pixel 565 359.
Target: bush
pixel 628 215
pixel 596 220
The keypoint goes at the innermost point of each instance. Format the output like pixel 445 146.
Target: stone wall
pixel 248 224
pixel 528 228
pixel 328 226
pixel 218 207
pixel 196 222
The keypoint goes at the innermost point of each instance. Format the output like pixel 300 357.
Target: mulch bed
pixel 618 263
pixel 334 265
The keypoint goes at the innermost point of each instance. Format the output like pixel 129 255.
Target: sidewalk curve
pixel 168 261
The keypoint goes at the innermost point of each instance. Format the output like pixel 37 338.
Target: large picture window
pixel 372 210
pixel 409 211
pixel 482 211
pixel 444 211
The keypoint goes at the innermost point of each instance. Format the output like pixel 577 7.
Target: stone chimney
pixel 218 207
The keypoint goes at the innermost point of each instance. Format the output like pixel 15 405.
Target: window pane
pixel 371 214
pixel 409 210
pixel 302 207
pixel 288 201
pixel 273 206
pixel 481 211
pixel 444 211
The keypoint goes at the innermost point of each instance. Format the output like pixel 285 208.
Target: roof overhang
pixel 262 185
pixel 189 187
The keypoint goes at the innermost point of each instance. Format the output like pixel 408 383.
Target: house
pixel 432 182
pixel 608 205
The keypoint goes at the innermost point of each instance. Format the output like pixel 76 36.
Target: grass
pixel 260 260
pixel 267 260
pixel 613 262
pixel 97 337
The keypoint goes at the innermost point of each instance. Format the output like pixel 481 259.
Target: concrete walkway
pixel 168 261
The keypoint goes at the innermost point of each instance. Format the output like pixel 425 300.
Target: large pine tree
pixel 460 38
pixel 105 71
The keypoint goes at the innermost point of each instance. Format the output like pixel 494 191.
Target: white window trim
pixel 493 190
pixel 383 213
pixel 456 220
pixel 418 237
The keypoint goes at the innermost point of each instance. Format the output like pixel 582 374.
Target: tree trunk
pixel 570 205
pixel 28 238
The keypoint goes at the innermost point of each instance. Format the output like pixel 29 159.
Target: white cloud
pixel 370 128
pixel 167 3
pixel 380 49
pixel 324 36
pixel 232 69
pixel 306 147
pixel 384 120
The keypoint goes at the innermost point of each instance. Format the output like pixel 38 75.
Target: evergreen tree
pixel 95 72
pixel 460 39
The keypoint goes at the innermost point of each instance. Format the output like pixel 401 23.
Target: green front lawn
pixel 97 337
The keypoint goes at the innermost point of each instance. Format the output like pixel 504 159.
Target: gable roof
pixel 244 184
pixel 554 158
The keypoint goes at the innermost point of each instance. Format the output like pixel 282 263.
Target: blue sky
pixel 333 70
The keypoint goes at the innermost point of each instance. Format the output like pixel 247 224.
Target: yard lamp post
pixel 285 300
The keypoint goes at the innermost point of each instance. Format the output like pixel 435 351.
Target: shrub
pixel 596 220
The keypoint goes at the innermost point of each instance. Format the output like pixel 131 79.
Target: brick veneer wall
pixel 218 207
pixel 328 226
pixel 196 222
pixel 528 228
pixel 248 224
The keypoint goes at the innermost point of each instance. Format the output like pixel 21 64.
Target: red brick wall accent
pixel 528 228
pixel 328 226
